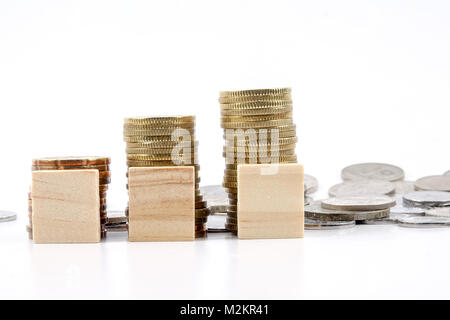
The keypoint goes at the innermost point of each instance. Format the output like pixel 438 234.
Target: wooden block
pixel 270 201
pixel 66 206
pixel 161 204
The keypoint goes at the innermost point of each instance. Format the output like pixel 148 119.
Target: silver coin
pixel 311 224
pixel 6 216
pixel 438 212
pixel 424 222
pixel 316 211
pixel 434 183
pixel 427 199
pixel 402 187
pixel 362 187
pixel 116 217
pixel 393 218
pixel 216 223
pixel 116 227
pixel 447 173
pixel 400 208
pixel 311 184
pixel 216 198
pixel 372 171
pixel 359 203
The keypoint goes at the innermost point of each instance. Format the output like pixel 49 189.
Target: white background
pixel 370 82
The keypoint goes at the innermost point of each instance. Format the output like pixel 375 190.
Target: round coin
pixel 159 120
pixel 373 171
pixel 399 208
pixel 6 216
pixel 434 183
pixel 311 224
pixel 216 197
pixel 71 161
pixel 359 203
pixel 424 222
pixel 316 211
pixel 255 92
pixel 438 212
pixel 427 199
pixel 362 187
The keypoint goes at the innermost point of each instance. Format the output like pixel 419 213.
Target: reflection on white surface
pixel 362 262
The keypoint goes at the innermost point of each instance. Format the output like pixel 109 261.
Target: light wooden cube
pixel 66 206
pixel 161 204
pixel 271 200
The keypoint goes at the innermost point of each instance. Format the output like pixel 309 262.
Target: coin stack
pixel 77 163
pixel 263 111
pixel 151 142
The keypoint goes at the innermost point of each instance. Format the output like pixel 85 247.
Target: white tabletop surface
pixel 363 262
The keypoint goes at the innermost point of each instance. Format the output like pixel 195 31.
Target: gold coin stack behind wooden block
pixel 166 141
pixel 261 110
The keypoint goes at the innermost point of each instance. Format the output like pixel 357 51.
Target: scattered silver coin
pixel 400 208
pixel 316 211
pixel 359 203
pixel 427 199
pixel 6 216
pixel 311 184
pixel 311 224
pixel 402 187
pixel 393 218
pixel 116 227
pixel 438 212
pixel 216 223
pixel 216 198
pixel 434 183
pixel 117 216
pixel 362 187
pixel 372 171
pixel 447 173
pixel 424 222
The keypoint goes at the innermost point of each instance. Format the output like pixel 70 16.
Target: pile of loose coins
pixel 258 128
pixel 375 193
pixel 76 163
pixel 166 141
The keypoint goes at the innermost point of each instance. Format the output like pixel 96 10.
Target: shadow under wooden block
pixel 66 206
pixel 161 204
pixel 271 200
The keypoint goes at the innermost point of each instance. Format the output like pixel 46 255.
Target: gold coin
pixel 161 144
pixel 225 113
pixel 163 125
pixel 100 167
pixel 233 202
pixel 255 149
pixel 71 161
pixel 258 98
pixel 240 119
pixel 158 132
pixel 255 92
pixel 256 105
pixel 160 139
pixel 165 151
pixel 280 141
pixel 257 124
pixel 231 227
pixel 284 159
pixel 264 139
pixel 259 154
pixel 201 213
pixel 159 120
pixel 157 157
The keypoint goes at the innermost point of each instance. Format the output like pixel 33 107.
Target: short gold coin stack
pixel 77 163
pixel 268 115
pixel 166 141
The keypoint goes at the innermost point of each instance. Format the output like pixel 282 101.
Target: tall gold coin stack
pixel 261 110
pixel 77 163
pixel 152 141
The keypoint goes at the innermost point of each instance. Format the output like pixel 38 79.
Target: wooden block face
pixel 271 198
pixel 161 204
pixel 66 206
